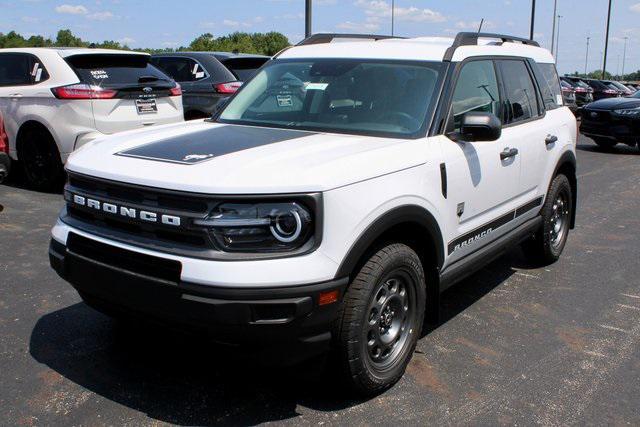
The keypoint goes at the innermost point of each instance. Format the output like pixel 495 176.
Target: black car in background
pixel 583 92
pixel 600 89
pixel 207 77
pixel 569 96
pixel 624 91
pixel 611 121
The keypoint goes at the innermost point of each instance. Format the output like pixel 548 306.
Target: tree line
pixel 597 74
pixel 260 43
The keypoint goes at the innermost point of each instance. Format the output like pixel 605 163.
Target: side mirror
pixel 481 126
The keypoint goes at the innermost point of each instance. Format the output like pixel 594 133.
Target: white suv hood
pixel 226 159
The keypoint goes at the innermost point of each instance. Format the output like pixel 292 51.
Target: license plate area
pixel 146 106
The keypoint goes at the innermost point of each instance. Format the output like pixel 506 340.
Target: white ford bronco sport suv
pixel 332 200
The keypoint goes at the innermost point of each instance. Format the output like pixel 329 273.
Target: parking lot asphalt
pixel 517 345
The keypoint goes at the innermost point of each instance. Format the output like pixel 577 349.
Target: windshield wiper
pixel 147 79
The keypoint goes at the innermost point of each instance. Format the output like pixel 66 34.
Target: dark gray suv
pixel 207 77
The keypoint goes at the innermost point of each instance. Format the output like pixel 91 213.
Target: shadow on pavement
pixel 180 378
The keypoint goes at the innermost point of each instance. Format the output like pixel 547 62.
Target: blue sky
pixel 170 23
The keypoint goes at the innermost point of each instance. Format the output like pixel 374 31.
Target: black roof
pixel 219 55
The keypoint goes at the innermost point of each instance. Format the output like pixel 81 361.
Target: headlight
pixel 628 112
pixel 259 227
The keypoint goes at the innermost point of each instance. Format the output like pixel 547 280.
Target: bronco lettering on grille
pixel 125 211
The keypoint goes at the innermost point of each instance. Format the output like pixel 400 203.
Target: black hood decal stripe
pixel 210 143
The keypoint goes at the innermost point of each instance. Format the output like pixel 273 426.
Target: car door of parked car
pixel 19 75
pixel 483 177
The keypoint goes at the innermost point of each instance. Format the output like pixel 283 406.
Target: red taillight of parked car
pixel 227 88
pixel 175 91
pixel 4 138
pixel 83 91
pixel 611 92
pixel 581 90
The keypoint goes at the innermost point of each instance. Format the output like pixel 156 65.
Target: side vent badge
pixel 460 209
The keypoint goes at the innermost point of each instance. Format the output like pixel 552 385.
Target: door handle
pixel 15 95
pixel 551 139
pixel 508 153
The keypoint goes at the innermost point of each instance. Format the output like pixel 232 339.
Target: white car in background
pixel 54 100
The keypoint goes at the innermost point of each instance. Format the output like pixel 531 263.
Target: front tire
pixel 547 244
pixel 41 160
pixel 381 319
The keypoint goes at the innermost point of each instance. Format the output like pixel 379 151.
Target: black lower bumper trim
pixel 287 319
pixel 5 166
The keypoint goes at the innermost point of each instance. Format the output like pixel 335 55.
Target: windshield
pixel 338 95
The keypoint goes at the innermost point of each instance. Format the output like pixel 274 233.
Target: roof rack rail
pixel 329 37
pixel 471 39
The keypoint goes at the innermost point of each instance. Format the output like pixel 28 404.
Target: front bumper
pixel 603 124
pixel 281 324
pixel 5 166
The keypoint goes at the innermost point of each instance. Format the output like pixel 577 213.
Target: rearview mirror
pixel 481 126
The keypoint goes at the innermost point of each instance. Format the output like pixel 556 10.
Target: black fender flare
pixel 568 157
pixel 396 216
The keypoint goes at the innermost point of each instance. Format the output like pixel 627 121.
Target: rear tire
pixel 40 159
pixel 547 244
pixel 381 319
pixel 605 144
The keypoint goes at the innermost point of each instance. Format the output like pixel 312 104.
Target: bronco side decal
pixel 482 232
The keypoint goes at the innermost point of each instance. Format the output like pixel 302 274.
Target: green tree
pixel 66 38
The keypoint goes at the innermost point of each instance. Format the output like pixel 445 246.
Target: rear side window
pixel 476 90
pixel 115 70
pixel 519 92
pixel 180 69
pixel 21 69
pixel 551 93
pixel 244 68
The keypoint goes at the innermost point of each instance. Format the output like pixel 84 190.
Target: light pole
pixel 586 57
pixel 553 31
pixel 307 18
pixel 393 11
pixel 533 18
pixel 558 40
pixel 624 55
pixel 606 44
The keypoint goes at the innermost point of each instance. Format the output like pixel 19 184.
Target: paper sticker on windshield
pixel 99 74
pixel 559 100
pixel 284 101
pixel 316 86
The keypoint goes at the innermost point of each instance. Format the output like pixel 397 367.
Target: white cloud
pixel 30 19
pixel 246 24
pixel 126 40
pixel 72 10
pixel 101 16
pixel 635 8
pixel 474 25
pixel 382 9
pixel 358 26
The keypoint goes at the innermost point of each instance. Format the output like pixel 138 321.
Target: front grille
pixel 139 195
pixel 187 207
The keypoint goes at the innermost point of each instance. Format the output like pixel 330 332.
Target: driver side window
pixel 476 90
